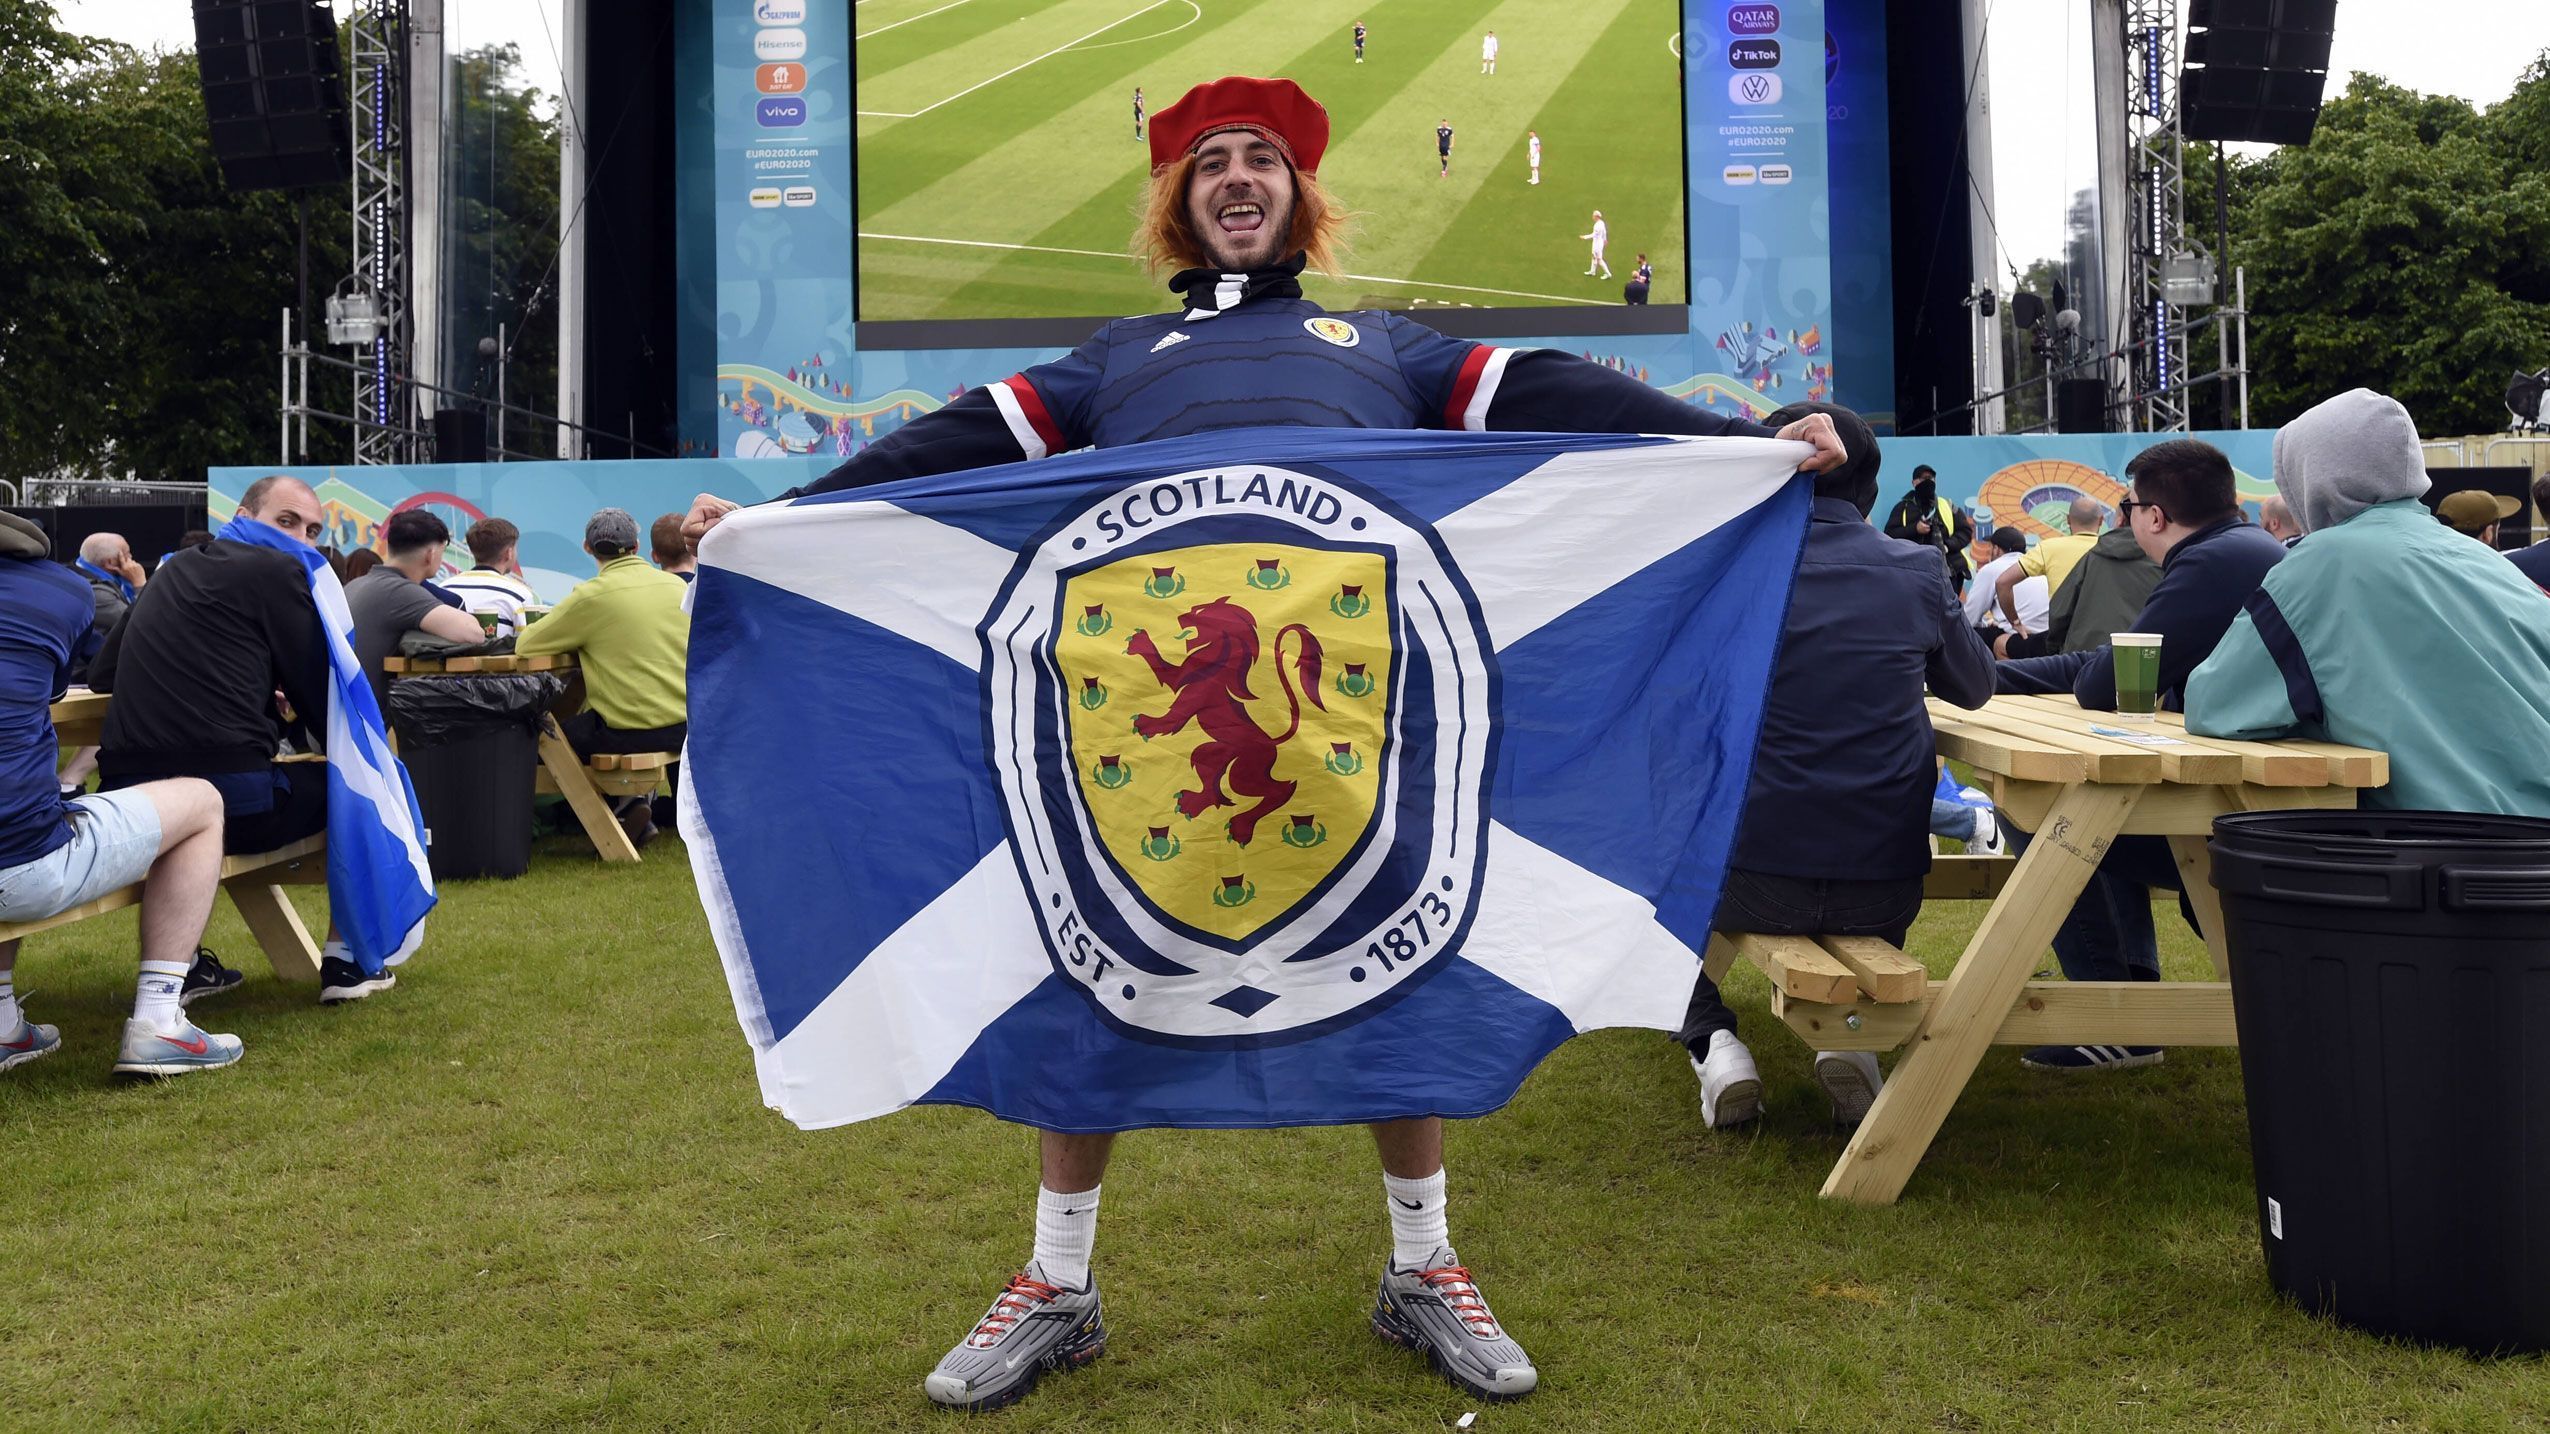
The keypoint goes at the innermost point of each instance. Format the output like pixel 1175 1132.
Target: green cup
pixel 2137 674
pixel 487 622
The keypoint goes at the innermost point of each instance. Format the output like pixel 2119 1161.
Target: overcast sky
pixel 2042 130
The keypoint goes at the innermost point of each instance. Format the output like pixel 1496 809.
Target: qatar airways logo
pixel 1753 19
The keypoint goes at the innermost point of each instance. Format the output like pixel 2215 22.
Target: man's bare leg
pixel 1047 1318
pixel 1428 1301
pixel 177 896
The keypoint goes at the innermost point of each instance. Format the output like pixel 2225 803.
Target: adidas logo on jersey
pixel 1173 337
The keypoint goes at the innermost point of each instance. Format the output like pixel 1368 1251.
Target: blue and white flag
pixel 379 885
pixel 1263 777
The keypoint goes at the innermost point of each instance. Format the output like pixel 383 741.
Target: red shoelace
pixel 1017 1299
pixel 1462 1297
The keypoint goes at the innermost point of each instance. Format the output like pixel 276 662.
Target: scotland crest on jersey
pixel 1264 777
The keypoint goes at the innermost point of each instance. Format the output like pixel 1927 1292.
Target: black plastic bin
pixel 471 744
pixel 2391 972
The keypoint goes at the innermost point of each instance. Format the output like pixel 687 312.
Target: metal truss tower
pixel 2162 248
pixel 384 418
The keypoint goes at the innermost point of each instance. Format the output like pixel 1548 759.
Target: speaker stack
pixel 274 91
pixel 2255 69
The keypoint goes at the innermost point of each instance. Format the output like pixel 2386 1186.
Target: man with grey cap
pixel 2386 629
pixel 632 641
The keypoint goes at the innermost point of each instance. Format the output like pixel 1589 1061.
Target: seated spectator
pixel 672 550
pixel 495 584
pixel 2185 512
pixel 2475 514
pixel 2385 630
pixel 1994 554
pixel 195 667
pixel 390 601
pixel 2534 562
pixel 1834 839
pixel 2277 519
pixel 2052 559
pixel 106 560
pixel 359 562
pixel 57 853
pixel 2105 593
pixel 633 643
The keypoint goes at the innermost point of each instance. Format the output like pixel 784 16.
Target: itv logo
pixel 1753 19
pixel 781 112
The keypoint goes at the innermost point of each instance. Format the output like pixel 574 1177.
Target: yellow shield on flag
pixel 1227 706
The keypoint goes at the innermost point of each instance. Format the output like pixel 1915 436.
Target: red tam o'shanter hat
pixel 1275 110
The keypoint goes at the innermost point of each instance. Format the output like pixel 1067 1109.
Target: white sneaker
pixel 1730 1088
pixel 1986 840
pixel 1851 1079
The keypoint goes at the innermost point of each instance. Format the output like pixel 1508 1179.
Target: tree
pixel 2406 248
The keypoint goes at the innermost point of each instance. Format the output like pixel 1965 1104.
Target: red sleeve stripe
pixel 1475 389
pixel 1029 423
pixel 1464 384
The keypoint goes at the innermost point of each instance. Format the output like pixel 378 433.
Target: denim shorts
pixel 114 840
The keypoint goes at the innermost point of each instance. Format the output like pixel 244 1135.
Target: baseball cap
pixel 2008 539
pixel 2471 510
pixel 611 528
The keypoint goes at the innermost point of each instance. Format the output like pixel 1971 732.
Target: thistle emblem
pixel 1095 620
pixel 1269 575
pixel 1093 695
pixel 1355 682
pixel 1236 891
pixel 1304 831
pixel 1350 601
pixel 1341 759
pixel 1163 583
pixel 1159 845
pixel 1111 772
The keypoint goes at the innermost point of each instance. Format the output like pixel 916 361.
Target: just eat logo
pixel 780 79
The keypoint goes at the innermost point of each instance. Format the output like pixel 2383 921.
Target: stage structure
pixel 378 295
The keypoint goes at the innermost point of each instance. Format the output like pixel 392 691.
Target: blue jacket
pixel 2533 562
pixel 2392 631
pixel 1249 351
pixel 45 611
pixel 1843 772
pixel 2203 581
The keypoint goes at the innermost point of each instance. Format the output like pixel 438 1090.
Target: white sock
pixel 9 1017
pixel 1417 1225
pixel 1066 1234
pixel 155 994
pixel 336 950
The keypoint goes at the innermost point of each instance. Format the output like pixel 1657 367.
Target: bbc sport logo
pixel 799 196
pixel 780 45
pixel 1754 87
pixel 1777 174
pixel 780 12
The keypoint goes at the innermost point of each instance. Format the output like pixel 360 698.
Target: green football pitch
pixel 998 173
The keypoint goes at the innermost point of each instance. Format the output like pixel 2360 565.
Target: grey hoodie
pixel 2345 455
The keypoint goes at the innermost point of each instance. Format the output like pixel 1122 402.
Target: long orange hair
pixel 1164 236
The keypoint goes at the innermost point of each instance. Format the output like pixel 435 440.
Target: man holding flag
pixel 195 667
pixel 1235 206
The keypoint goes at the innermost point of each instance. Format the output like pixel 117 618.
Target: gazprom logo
pixel 1753 19
pixel 780 111
pixel 780 12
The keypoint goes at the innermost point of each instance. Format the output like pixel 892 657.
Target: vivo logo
pixel 780 112
pixel 1754 89
pixel 1753 19
pixel 780 45
pixel 780 12
pixel 1754 54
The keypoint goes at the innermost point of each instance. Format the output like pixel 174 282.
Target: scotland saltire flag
pixel 1260 777
pixel 379 884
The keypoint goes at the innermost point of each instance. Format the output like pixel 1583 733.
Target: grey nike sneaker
pixel 1033 1327
pixel 1437 1310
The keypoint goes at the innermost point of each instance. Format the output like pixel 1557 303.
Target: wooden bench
pixel 255 881
pixel 585 783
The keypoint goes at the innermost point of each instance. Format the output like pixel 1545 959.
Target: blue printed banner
pixel 1271 777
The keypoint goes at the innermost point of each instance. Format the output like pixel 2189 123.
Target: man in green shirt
pixel 632 641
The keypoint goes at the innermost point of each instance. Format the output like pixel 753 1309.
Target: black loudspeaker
pixel 2255 69
pixel 460 435
pixel 2080 405
pixel 274 92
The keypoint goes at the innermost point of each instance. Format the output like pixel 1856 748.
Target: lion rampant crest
pixel 1210 688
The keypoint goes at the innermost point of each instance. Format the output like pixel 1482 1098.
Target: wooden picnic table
pixel 562 773
pixel 79 719
pixel 2076 780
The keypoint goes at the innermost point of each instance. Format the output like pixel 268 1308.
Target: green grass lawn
pixel 533 1188
pixel 1005 123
